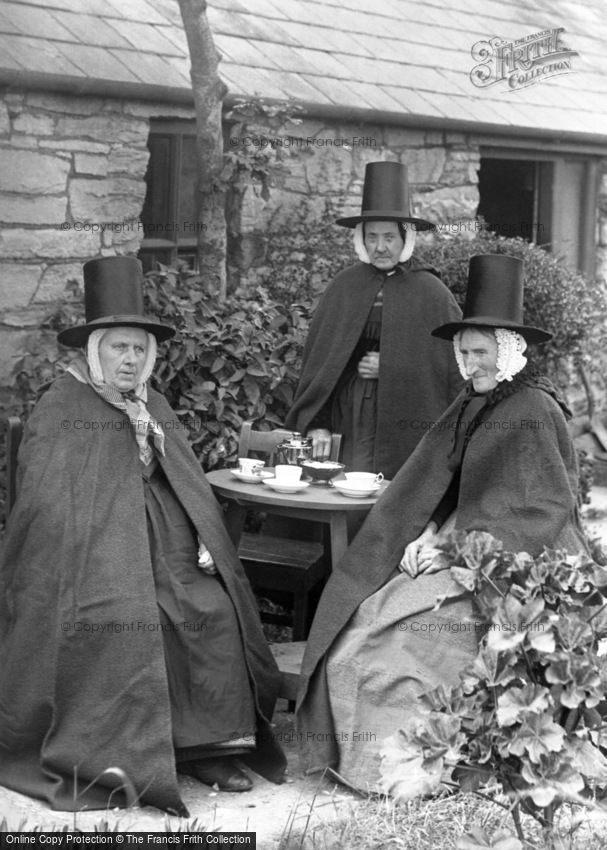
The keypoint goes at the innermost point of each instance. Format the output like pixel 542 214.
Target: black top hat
pixel 386 197
pixel 494 299
pixel 113 296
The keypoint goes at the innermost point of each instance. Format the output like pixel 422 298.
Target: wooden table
pixel 318 503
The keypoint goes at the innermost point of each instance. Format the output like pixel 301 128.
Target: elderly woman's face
pixel 122 352
pixel 479 353
pixel 384 243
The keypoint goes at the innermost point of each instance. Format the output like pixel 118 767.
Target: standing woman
pixel 371 371
pixel 499 460
pixel 129 637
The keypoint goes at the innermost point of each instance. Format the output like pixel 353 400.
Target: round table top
pixel 315 497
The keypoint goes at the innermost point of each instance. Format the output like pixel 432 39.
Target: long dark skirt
pixel 354 416
pixel 211 699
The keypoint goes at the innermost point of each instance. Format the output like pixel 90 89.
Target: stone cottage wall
pixel 324 161
pixel 71 187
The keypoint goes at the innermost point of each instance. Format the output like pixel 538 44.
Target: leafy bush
pixel 229 361
pixel 527 718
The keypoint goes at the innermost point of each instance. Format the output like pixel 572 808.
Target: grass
pixel 438 824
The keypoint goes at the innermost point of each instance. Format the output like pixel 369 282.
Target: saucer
pixel 286 486
pixel 347 489
pixel 251 477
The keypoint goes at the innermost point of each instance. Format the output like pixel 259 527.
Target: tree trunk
pixel 209 92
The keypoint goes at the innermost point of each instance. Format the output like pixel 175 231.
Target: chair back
pixel 266 442
pixel 12 426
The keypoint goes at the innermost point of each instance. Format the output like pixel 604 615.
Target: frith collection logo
pixel 522 62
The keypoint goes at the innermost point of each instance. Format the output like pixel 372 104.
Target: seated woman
pixel 499 460
pixel 129 637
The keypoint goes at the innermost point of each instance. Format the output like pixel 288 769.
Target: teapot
pixel 294 450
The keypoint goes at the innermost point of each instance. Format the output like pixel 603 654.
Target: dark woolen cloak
pixel 519 481
pixel 77 552
pixel 418 375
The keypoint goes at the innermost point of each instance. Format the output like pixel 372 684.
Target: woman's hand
pixel 421 555
pixel 321 443
pixel 368 366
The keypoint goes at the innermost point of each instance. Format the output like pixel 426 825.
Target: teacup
pixel 287 472
pixel 364 477
pixel 250 465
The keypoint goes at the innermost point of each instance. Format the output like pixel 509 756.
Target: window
pixel 169 210
pixel 547 199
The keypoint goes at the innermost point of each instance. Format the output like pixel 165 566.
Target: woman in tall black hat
pixel 499 460
pixel 370 367
pixel 130 642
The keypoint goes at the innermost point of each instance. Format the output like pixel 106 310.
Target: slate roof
pixel 401 61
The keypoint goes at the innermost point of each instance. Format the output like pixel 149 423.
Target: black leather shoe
pixel 223 772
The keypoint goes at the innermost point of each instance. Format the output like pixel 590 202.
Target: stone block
pixel 447 204
pixel 295 179
pixel 113 200
pixel 25 317
pixel 124 242
pixel 128 160
pixel 151 109
pixel 33 125
pixel 14 102
pixel 425 165
pixel 5 121
pixel 403 137
pixel 74 145
pixel 106 128
pixel 19 142
pixel 457 139
pixel 32 172
pixel 95 164
pixel 329 169
pixel 461 167
pixel 20 244
pixel 67 104
pixel 21 209
pixel 54 279
pixel 17 284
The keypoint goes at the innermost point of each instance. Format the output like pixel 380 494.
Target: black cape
pixel 77 551
pixel 418 374
pixel 519 482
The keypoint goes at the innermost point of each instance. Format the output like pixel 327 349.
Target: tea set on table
pixel 296 459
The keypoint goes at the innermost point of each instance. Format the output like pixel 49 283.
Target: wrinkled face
pixel 479 353
pixel 384 243
pixel 122 352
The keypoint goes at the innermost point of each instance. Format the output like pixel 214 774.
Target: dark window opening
pixel 515 198
pixel 168 216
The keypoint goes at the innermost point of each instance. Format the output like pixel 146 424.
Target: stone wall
pixel 322 161
pixel 71 187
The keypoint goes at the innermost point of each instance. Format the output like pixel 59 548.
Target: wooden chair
pixel 12 427
pixel 282 564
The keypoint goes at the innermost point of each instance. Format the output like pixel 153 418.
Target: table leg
pixel 234 518
pixel 339 537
